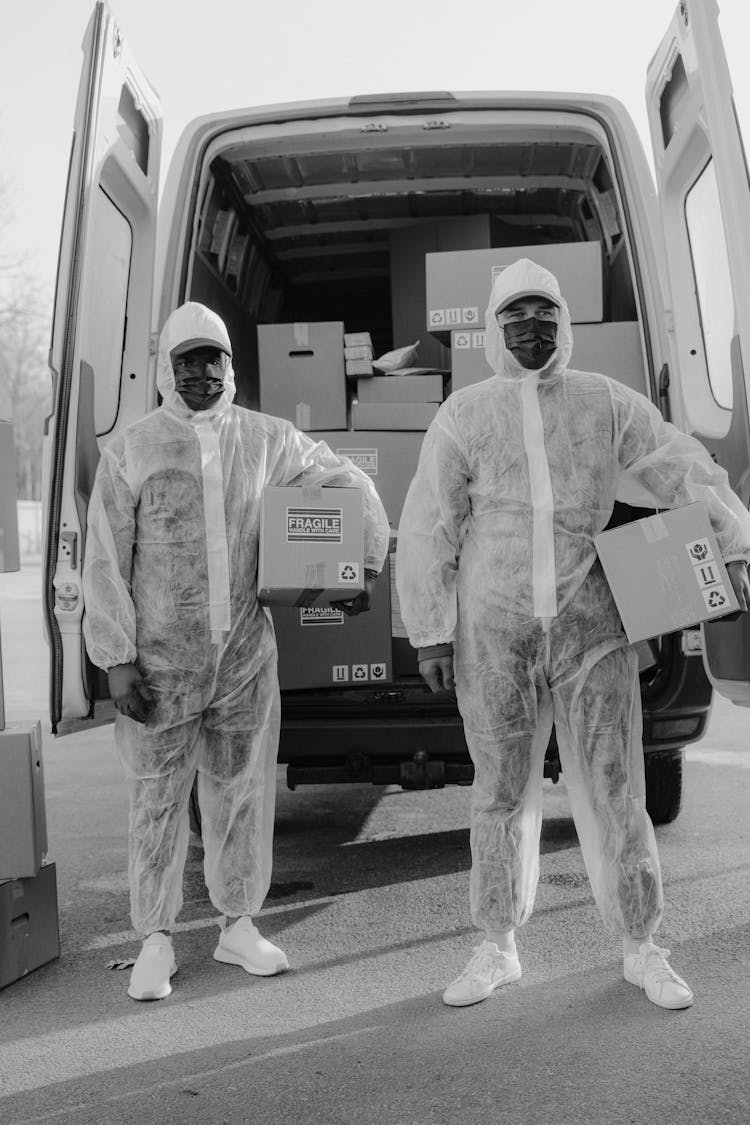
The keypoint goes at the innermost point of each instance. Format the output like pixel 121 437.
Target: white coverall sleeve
pixel 661 467
pixel 429 537
pixel 307 462
pixel 109 621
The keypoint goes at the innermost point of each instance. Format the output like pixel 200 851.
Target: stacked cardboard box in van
pixel 397 402
pixel 29 935
pixel 358 354
pixel 458 284
pixel 301 373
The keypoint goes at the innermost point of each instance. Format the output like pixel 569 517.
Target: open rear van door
pixel 704 196
pixel 99 354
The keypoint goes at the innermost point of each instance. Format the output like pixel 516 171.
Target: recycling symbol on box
pixel 716 599
pixel 348 572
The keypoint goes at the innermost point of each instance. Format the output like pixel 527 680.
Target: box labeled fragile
pixel 388 457
pixel 666 572
pixel 311 547
pixel 320 646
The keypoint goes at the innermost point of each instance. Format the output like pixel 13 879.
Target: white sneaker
pixel 241 944
pixel 153 969
pixel 486 971
pixel 650 970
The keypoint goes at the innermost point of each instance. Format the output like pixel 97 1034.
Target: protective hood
pixel 192 323
pixel 522 279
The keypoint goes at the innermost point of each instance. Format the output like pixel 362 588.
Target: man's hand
pixel 130 693
pixel 737 572
pixel 361 604
pixel 438 673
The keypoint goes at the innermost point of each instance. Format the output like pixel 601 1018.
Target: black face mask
pixel 531 341
pixel 199 378
pixel 199 392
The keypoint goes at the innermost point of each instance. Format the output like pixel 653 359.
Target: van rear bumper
pixel 404 735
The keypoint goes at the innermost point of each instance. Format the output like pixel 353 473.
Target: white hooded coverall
pixel 170 584
pixel 516 476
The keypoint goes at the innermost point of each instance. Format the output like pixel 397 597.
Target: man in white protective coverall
pixel 498 579
pixel 170 582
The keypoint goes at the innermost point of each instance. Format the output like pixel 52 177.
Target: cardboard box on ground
pixel 29 930
pixel 23 820
pixel 666 572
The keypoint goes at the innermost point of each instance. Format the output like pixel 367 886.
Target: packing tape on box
pixel 301 335
pixel 315 575
pixel 302 416
pixel 312 494
pixel 654 529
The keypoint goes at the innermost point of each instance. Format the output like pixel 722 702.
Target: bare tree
pixel 25 385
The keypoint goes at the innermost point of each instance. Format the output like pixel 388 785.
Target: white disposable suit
pixel 170 584
pixel 517 474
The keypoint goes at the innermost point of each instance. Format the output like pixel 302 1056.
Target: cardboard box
pixel 311 545
pixel 301 374
pixel 23 821
pixel 611 349
pixel 458 284
pixel 357 339
pixel 401 388
pixel 393 416
pixel 320 646
pixel 358 351
pixel 29 931
pixel 468 361
pixel 408 248
pixel 389 458
pixel 358 367
pixel 666 572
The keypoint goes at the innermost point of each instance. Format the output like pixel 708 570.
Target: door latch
pixel 71 539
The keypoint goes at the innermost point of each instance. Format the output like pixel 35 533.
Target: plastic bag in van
pixel 394 361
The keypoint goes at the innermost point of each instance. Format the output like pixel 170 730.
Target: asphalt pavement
pixel 369 900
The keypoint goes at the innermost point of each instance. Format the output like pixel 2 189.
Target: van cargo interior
pixel 331 222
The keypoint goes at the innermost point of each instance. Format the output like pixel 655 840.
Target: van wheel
pixel 664 784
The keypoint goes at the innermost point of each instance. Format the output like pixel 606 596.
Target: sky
pixel 222 54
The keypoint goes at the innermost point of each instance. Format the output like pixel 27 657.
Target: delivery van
pixel 326 232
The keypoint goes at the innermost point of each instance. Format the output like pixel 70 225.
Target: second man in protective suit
pixel 502 592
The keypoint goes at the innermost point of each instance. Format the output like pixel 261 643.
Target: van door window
pixel 109 262
pixel 708 250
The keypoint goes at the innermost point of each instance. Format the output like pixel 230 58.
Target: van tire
pixel 664 785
